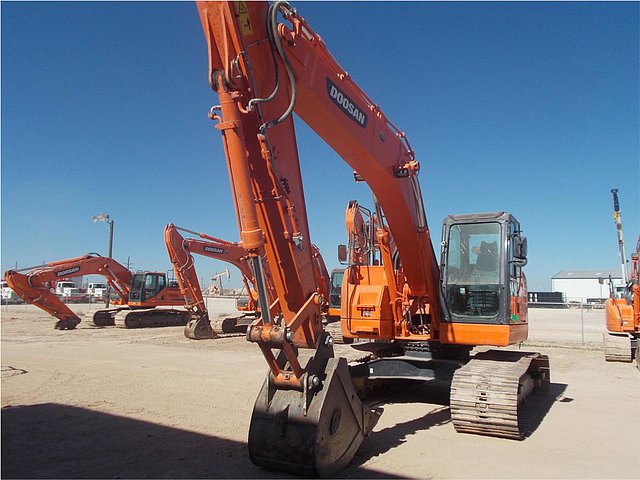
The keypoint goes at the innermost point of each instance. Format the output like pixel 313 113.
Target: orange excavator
pixel 180 250
pixel 623 314
pixel 413 312
pixel 362 250
pixel 139 294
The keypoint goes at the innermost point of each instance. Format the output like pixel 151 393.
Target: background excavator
pixel 139 294
pixel 180 250
pixel 623 314
pixel 416 312
pixel 361 247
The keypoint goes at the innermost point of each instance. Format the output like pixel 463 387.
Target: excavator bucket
pixel 314 432
pixel 199 328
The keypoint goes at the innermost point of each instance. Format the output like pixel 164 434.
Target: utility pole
pixel 102 217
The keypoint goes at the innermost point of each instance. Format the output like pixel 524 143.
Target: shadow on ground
pixel 534 410
pixel 60 441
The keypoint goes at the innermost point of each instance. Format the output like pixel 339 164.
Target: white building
pixel 586 285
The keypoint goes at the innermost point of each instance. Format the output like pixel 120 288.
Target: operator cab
pixel 481 269
pixel 146 285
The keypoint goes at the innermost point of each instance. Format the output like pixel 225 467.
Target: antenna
pixel 618 221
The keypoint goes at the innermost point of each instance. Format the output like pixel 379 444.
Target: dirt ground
pixel 116 403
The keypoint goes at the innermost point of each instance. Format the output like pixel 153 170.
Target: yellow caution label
pixel 243 18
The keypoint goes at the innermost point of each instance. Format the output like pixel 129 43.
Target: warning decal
pixel 243 18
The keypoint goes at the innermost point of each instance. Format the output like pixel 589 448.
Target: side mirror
pixel 520 247
pixel 520 251
pixel 342 254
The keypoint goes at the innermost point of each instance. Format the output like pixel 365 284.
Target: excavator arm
pixel 266 183
pixel 34 284
pixel 312 400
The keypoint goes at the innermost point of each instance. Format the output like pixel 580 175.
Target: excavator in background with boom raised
pixel 308 418
pixel 362 248
pixel 180 250
pixel 139 293
pixel 623 314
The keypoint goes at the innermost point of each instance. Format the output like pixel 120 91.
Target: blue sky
pixel 527 107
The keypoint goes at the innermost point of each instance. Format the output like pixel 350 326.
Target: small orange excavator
pixel 416 314
pixel 180 250
pixel 139 293
pixel 623 314
pixel 361 246
pixel 362 249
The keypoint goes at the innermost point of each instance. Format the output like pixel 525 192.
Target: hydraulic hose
pixel 278 41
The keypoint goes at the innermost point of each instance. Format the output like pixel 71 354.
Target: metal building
pixel 587 285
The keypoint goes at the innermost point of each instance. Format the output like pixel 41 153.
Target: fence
pixel 574 320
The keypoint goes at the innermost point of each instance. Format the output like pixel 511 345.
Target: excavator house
pixel 412 313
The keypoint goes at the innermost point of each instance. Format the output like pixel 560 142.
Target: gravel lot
pixel 115 403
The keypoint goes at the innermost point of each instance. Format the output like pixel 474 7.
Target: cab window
pixel 472 276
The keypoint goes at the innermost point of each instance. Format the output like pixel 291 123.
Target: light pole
pixel 103 217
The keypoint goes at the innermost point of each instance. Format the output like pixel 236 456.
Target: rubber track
pixel 484 393
pixel 153 317
pixel 617 348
